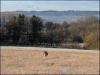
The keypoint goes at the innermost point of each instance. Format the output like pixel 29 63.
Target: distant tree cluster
pixel 24 31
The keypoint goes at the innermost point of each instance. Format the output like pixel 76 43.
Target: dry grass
pixel 57 62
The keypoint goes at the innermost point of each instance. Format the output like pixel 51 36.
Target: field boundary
pixel 45 49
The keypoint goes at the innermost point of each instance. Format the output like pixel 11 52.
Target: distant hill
pixel 55 16
pixel 58 0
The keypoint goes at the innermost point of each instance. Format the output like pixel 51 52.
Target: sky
pixel 49 5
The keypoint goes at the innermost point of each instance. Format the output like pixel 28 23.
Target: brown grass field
pixel 19 61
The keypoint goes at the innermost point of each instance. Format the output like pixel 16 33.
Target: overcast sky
pixel 49 5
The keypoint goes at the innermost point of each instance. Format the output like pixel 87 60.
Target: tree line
pixel 24 31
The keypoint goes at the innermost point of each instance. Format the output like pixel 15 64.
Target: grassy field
pixel 33 61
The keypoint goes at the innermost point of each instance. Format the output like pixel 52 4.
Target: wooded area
pixel 24 31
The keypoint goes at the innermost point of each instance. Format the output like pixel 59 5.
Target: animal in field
pixel 45 53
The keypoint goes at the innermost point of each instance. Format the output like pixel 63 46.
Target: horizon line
pixel 45 10
pixel 50 0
